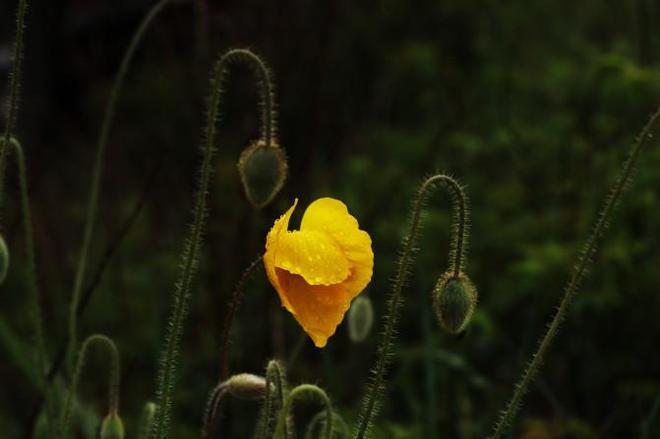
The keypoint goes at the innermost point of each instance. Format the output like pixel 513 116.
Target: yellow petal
pixel 331 217
pixel 319 309
pixel 318 270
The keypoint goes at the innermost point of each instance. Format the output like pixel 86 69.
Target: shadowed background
pixel 531 105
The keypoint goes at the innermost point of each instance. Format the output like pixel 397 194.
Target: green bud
pixel 454 300
pixel 360 319
pixel 246 386
pixel 4 260
pixel 112 427
pixel 263 170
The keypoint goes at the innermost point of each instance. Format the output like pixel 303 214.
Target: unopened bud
pixel 360 319
pixel 112 427
pixel 263 170
pixel 454 300
pixel 246 386
pixel 4 260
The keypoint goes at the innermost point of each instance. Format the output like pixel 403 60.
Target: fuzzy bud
pixel 246 386
pixel 4 260
pixel 112 427
pixel 454 300
pixel 360 319
pixel 263 170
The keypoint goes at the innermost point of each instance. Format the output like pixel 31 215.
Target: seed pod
pixel 246 386
pixel 454 300
pixel 112 427
pixel 360 319
pixel 263 170
pixel 4 260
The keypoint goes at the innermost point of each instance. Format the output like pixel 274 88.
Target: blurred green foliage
pixel 532 105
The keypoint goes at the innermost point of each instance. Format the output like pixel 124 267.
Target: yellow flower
pixel 319 269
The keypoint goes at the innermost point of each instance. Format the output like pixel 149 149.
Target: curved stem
pixel 211 415
pixel 275 380
pixel 33 284
pixel 320 416
pixel 95 187
pixel 234 304
pixel 14 90
pixel 459 244
pixel 297 392
pixel 191 251
pixel 623 180
pixel 113 390
pixel 211 411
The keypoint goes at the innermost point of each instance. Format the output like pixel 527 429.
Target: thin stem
pixel 321 416
pixel 33 285
pixel 459 243
pixel 14 90
pixel 113 388
pixel 210 419
pixel 191 251
pixel 95 187
pixel 275 380
pixel 234 304
pixel 296 393
pixel 210 414
pixel 146 420
pixel 622 182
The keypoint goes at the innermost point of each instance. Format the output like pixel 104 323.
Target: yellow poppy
pixel 319 269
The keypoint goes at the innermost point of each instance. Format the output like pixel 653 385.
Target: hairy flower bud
pixel 246 386
pixel 360 319
pixel 112 427
pixel 454 300
pixel 263 170
pixel 4 260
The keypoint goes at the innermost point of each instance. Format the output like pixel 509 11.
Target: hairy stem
pixel 113 389
pixel 14 91
pixel 33 285
pixel 95 187
pixel 623 180
pixel 296 393
pixel 211 416
pixel 457 253
pixel 275 381
pixel 166 376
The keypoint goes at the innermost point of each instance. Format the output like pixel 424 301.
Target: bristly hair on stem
pixel 14 92
pixel 41 356
pixel 623 180
pixel 276 391
pixel 113 388
pixel 95 186
pixel 190 255
pixel 457 261
pixel 298 392
pixel 211 417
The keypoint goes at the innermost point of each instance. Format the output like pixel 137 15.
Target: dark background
pixel 531 104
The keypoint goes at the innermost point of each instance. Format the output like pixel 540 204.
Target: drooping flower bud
pixel 246 386
pixel 454 300
pixel 360 319
pixel 112 427
pixel 263 170
pixel 4 260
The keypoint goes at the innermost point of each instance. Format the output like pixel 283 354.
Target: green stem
pixel 14 90
pixel 623 180
pixel 457 256
pixel 146 420
pixel 113 389
pixel 296 393
pixel 344 431
pixel 33 284
pixel 95 187
pixel 214 402
pixel 275 380
pixel 165 386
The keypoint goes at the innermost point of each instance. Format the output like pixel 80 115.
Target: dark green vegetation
pixel 531 107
